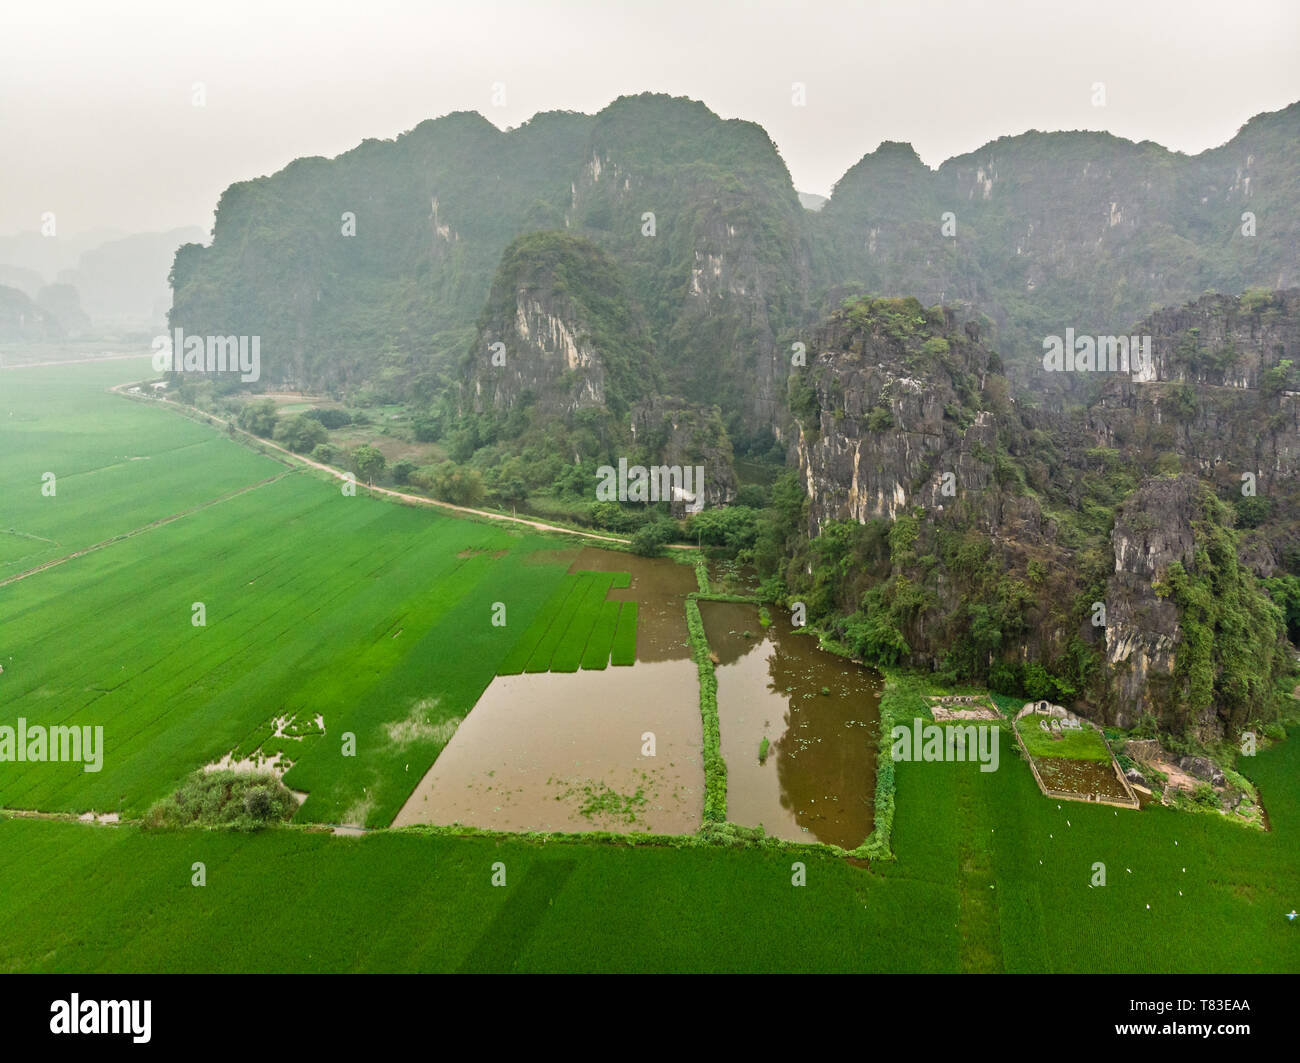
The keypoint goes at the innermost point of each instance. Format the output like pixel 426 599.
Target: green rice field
pixel 967 893
pixel 377 619
pixel 576 627
pixel 373 616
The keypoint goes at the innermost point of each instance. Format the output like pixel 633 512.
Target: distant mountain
pixel 22 319
pixel 126 281
pixel 698 212
pixel 1087 230
pixel 812 201
pixel 63 303
pixel 120 279
pixel 1038 232
pixel 47 255
pixel 27 281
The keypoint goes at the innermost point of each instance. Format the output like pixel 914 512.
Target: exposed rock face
pixel 681 434
pixel 536 343
pixel 1220 397
pixel 1152 529
pixel 1012 503
pixel 885 434
pixel 562 335
pixel 899 418
pixel 717 256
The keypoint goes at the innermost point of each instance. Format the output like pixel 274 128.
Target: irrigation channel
pixel 568 751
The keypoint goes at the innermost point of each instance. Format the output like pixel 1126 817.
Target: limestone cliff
pixel 1034 547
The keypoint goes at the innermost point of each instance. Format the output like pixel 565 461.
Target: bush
pixel 323 452
pixel 301 434
pixel 402 471
pixel 330 418
pixel 649 540
pixel 733 527
pixel 259 417
pixel 230 799
pixel 457 484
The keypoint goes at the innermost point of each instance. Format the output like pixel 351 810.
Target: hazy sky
pixel 97 124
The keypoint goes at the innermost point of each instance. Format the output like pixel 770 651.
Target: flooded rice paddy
pixel 568 751
pixel 820 715
pixel 1083 777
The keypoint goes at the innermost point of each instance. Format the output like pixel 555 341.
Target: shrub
pixel 402 471
pixel 330 418
pixel 259 417
pixel 649 540
pixel 230 799
pixel 301 434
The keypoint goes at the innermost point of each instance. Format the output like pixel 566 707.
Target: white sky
pixel 96 122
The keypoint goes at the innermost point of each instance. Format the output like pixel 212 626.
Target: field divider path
pixel 338 474
pixel 171 518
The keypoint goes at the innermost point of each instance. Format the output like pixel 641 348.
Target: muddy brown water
pixel 819 779
pixel 565 751
pixel 1080 777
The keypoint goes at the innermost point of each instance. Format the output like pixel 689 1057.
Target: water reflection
pixel 820 714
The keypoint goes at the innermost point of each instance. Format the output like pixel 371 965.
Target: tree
pixel 368 462
pixel 300 433
pixel 260 418
pixel 460 486
pixel 513 492
pixel 649 541
pixel 330 417
pixel 734 527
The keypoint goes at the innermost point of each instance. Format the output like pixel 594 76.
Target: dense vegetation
pixel 235 800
